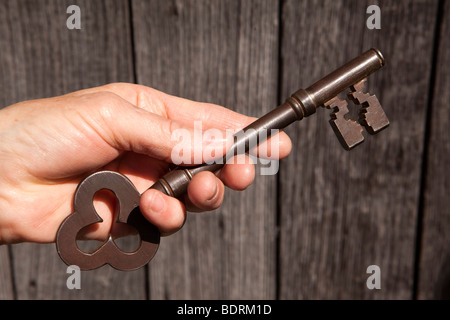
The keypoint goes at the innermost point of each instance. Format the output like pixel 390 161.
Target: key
pixel 303 103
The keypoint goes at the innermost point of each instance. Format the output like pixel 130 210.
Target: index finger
pixel 187 112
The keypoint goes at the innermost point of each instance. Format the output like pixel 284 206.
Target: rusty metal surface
pixel 371 116
pixel 302 103
pixel 85 215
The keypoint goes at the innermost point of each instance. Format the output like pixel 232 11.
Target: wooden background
pixel 309 232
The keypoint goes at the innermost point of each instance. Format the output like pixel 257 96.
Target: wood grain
pixel 434 266
pixel 344 211
pixel 223 52
pixel 337 212
pixel 6 277
pixel 42 58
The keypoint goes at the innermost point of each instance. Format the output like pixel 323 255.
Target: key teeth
pixel 348 132
pixel 371 114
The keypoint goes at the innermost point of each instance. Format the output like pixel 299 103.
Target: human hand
pixel 49 145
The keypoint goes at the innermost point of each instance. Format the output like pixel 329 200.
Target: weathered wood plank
pixel 6 279
pixel 340 211
pixel 434 267
pixel 41 58
pixel 224 52
pixel 344 211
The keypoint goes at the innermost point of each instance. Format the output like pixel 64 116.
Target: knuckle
pixel 109 105
pixel 114 87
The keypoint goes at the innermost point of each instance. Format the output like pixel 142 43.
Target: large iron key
pixel 303 103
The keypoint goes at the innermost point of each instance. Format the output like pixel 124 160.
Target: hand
pixel 48 146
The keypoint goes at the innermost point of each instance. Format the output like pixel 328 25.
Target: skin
pixel 49 145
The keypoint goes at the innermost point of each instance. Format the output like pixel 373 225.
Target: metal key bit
pixel 348 132
pixel 371 115
pixel 301 104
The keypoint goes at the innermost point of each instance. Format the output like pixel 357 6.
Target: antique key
pixel 301 104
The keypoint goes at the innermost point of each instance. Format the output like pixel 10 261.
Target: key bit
pixel 348 132
pixel 301 104
pixel 371 114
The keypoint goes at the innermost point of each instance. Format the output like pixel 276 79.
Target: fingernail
pixel 157 203
pixel 216 191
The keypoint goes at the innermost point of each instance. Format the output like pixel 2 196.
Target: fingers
pixel 238 176
pixel 175 108
pixel 199 119
pixel 127 128
pixel 166 213
pixel 205 193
